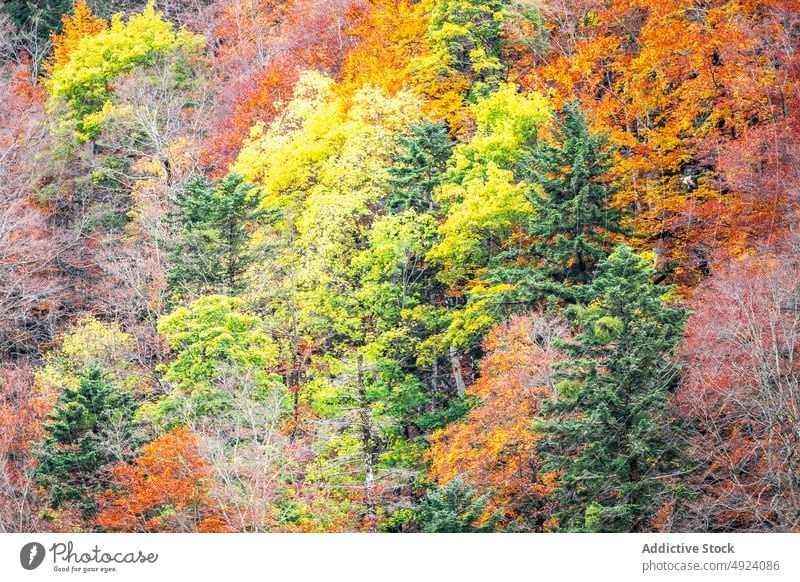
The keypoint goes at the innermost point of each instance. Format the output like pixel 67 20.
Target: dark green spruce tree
pixel 213 222
pixel 453 508
pixel 80 432
pixel 419 166
pixel 571 191
pixel 609 432
pixel 41 18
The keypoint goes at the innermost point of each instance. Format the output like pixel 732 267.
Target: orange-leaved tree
pixel 390 34
pixel 164 490
pixel 493 449
pixel 21 414
pixel 78 25
pixel 672 82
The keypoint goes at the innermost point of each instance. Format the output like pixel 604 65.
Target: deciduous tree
pixel 493 449
pixel 164 489
pixel 739 393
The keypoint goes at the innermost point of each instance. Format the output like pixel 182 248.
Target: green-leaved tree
pixel 419 166
pixel 453 508
pixel 213 249
pixel 571 192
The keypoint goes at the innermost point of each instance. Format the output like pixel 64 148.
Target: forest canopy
pixel 399 266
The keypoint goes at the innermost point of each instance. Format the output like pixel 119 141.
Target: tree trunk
pixel 455 361
pixel 367 445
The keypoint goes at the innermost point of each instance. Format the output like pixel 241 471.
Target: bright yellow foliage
pixel 92 343
pixel 82 83
pixel 325 157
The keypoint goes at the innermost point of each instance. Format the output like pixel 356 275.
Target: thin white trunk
pixel 455 361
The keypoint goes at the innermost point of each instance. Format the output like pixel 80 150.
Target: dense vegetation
pixel 395 265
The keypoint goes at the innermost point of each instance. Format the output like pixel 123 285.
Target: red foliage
pixel 740 392
pixel 165 489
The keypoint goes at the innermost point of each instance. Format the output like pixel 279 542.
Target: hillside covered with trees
pixel 399 266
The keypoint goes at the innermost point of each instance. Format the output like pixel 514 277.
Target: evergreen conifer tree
pixel 213 249
pixel 40 17
pixel 454 508
pixel 78 431
pixel 609 432
pixel 572 194
pixel 419 166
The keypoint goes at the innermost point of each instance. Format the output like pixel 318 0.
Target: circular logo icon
pixel 31 555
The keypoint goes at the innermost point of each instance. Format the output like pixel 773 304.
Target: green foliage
pixel 90 427
pixel 453 508
pixel 466 37
pixel 571 193
pixel 212 337
pixel 610 433
pixel 322 167
pixel 481 219
pixel 485 207
pixel 43 18
pixel 482 198
pixel 572 223
pixel 419 165
pixel 213 248
pixel 391 270
pixel 506 127
pixel 83 85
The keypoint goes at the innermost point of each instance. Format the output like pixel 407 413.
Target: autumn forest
pixel 400 266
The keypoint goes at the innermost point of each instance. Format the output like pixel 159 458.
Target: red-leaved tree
pixel 740 395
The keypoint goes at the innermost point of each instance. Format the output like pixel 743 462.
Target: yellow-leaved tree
pixel 80 86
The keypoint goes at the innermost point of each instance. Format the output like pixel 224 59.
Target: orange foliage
pixel 390 34
pixel 258 99
pixel 80 24
pixel 494 447
pixel 165 489
pixel 672 82
pixel 21 413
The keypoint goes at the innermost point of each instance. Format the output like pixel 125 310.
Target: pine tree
pixel 85 421
pixel 213 249
pixel 41 18
pixel 609 433
pixel 419 166
pixel 571 194
pixel 454 508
